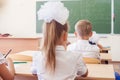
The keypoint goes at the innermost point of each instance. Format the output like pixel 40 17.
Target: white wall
pixel 18 17
pixel 114 42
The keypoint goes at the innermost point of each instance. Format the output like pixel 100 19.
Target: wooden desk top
pixel 23 68
pixel 20 57
pixel 22 71
pixel 27 53
pixel 96 71
pixel 101 71
pixel 105 49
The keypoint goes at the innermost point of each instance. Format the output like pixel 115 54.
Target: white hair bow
pixel 53 11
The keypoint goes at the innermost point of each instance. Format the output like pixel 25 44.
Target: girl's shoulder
pixel 37 55
pixel 75 54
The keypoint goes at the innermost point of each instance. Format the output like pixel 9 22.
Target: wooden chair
pixel 91 60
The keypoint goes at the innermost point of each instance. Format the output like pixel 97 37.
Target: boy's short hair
pixel 83 27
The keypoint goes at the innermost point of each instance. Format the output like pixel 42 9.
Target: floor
pixel 116 67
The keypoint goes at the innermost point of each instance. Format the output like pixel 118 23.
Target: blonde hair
pixel 52 32
pixel 83 27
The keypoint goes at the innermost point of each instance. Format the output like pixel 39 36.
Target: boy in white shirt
pixel 83 31
pixel 94 40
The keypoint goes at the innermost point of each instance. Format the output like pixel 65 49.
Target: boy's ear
pixel 65 36
pixel 75 34
pixel 91 33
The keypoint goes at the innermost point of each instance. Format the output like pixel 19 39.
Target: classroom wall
pixel 17 17
pixel 115 47
pixel 114 42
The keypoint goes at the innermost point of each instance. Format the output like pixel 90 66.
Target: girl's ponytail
pixel 52 33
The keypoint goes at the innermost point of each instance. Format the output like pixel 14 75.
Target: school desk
pixel 96 71
pixel 91 60
pixel 20 57
pixel 23 71
pixel 99 72
pixel 18 44
pixel 105 50
pixel 27 56
pixel 105 56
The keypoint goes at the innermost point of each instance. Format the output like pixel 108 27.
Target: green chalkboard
pixel 97 11
pixel 39 23
pixel 117 17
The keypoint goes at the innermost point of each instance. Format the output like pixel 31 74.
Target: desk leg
pixel 105 62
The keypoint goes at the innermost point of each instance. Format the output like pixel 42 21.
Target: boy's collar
pixel 60 48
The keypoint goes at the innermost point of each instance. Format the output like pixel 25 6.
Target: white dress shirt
pixel 67 65
pixel 94 38
pixel 2 60
pixel 84 47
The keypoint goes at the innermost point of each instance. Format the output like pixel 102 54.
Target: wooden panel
pixel 91 60
pixel 18 44
pixel 105 56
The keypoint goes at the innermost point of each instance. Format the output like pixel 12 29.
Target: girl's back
pixel 67 65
